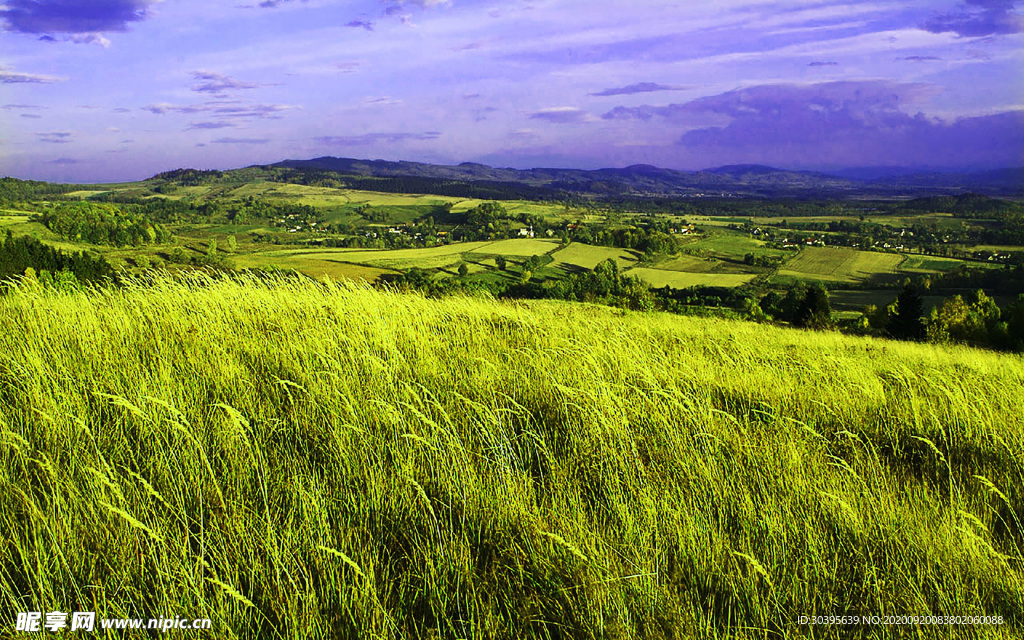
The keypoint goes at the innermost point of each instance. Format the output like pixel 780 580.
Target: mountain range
pixel 646 181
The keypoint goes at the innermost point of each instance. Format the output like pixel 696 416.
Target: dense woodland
pixel 98 223
pixel 24 255
pixel 14 191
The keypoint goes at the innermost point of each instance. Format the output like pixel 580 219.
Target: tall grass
pixel 303 460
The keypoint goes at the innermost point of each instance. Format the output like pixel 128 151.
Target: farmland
pixel 839 264
pixel 699 264
pixel 928 264
pixel 432 258
pixel 587 257
pixel 519 248
pixel 313 263
pixel 684 280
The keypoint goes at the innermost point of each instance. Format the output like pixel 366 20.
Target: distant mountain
pixel 647 181
pixel 868 174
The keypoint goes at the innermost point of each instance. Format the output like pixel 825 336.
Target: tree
pixel 463 270
pixel 976 320
pixel 65 280
pixel 789 308
pixel 211 249
pixel 876 318
pixel 637 295
pixel 500 262
pixel 178 256
pixel 485 214
pixel 815 312
pixel 907 323
pixel 946 321
pixel 1013 316
pixel 232 244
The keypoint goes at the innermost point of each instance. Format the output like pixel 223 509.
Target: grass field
pixel 587 256
pixel 300 460
pixel 695 264
pixel 520 248
pixel 689 264
pixel 332 264
pixel 940 220
pixel 428 258
pixel 85 193
pixel 995 248
pixel 683 280
pixel 928 264
pixel 837 264
pixel 729 244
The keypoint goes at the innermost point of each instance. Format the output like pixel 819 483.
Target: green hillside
pixel 297 459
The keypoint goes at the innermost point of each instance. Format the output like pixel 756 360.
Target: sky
pixel 118 90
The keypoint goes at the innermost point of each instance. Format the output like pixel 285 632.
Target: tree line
pixel 13 190
pixel 101 223
pixel 975 319
pixel 22 253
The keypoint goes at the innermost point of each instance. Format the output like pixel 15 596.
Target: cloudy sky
pixel 106 90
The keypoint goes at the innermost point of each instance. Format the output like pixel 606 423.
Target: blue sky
pixel 107 90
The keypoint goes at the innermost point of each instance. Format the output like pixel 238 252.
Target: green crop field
pixel 19 222
pixel 428 258
pixel 839 264
pixel 84 193
pixel 695 264
pixel 588 256
pixel 928 264
pixel 296 459
pixel 522 248
pixel 333 264
pixel 729 244
pixel 12 216
pixel 995 248
pixel 940 220
pixel 683 280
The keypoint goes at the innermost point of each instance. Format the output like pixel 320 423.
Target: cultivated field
pixel 298 460
pixel 839 264
pixel 928 264
pixel 519 248
pixel 313 263
pixel 429 258
pixel 368 264
pixel 696 264
pixel 683 280
pixel 729 244
pixel 587 256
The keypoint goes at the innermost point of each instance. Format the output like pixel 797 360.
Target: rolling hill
pixel 649 181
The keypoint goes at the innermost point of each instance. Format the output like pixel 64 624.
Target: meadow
pixel 837 264
pixel 583 256
pixel 695 264
pixel 684 279
pixel 301 459
pixel 928 264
